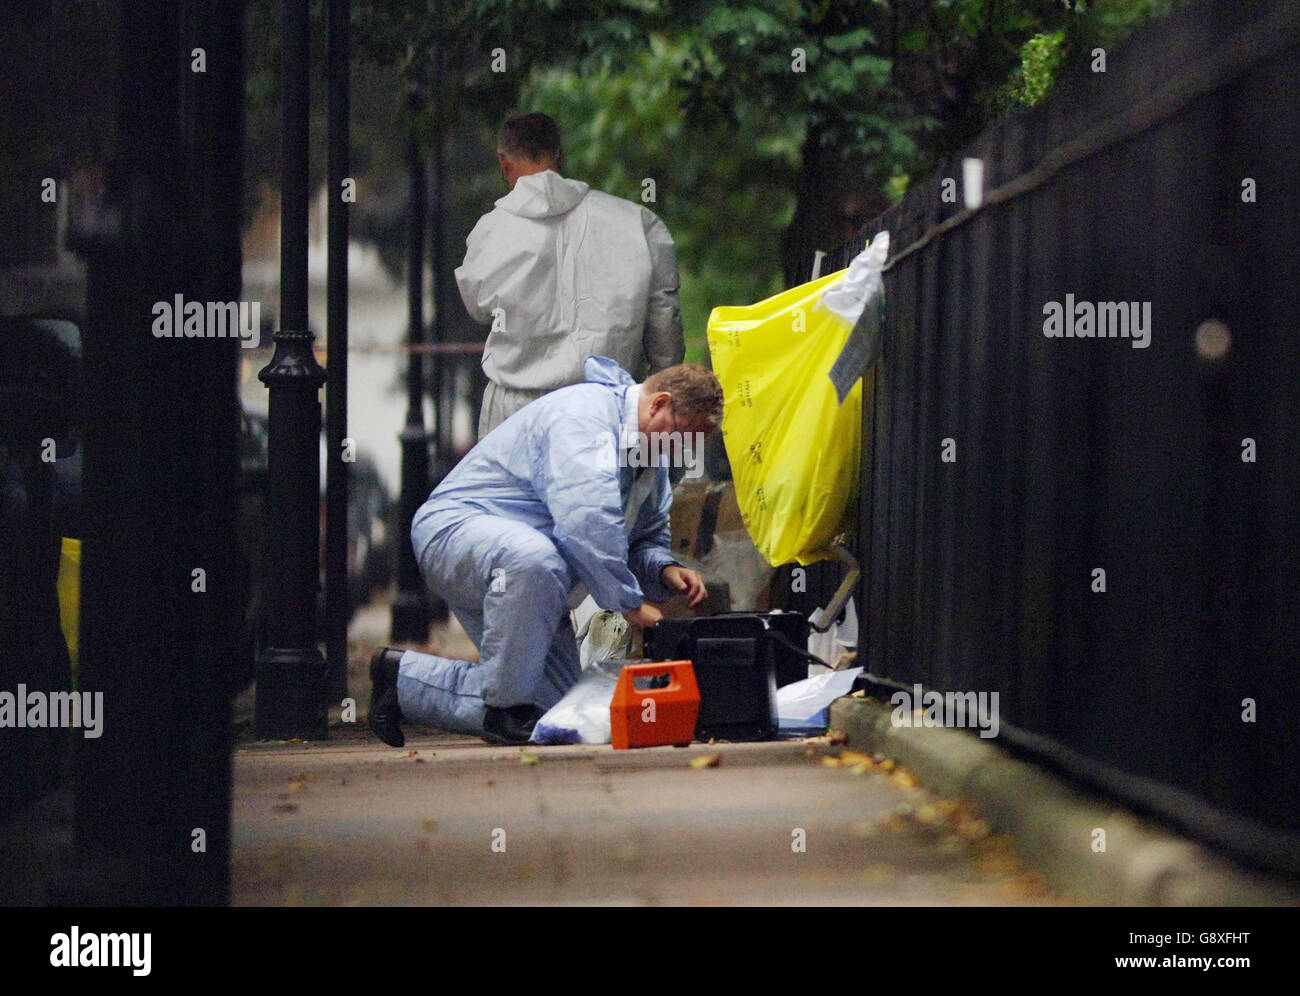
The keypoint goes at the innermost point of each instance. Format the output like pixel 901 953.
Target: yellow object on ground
pixel 70 595
pixel 794 449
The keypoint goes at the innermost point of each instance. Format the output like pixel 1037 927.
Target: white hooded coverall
pixel 562 272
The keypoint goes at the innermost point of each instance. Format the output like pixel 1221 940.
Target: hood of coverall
pixel 543 195
pixel 603 370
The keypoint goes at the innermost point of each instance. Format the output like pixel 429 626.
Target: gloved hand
pixel 645 615
pixel 686 581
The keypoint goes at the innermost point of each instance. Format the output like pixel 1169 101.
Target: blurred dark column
pixel 337 598
pixel 291 685
pixel 158 640
pixel 443 364
pixel 411 607
pixel 39 404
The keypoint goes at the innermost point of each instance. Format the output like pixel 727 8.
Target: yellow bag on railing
pixel 794 449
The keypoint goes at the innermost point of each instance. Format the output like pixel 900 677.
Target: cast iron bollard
pixel 291 674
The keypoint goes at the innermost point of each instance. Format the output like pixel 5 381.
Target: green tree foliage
pixel 1102 23
pixel 770 128
pixel 1040 59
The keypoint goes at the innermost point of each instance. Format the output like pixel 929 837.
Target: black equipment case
pixel 740 659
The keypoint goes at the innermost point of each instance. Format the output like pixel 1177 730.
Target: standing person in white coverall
pixel 561 272
pixel 569 495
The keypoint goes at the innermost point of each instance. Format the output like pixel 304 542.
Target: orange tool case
pixel 658 712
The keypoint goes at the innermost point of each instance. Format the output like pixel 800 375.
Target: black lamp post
pixel 291 676
pixel 444 364
pixel 411 607
pixel 336 398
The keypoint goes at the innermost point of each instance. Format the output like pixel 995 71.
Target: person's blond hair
pixel 694 388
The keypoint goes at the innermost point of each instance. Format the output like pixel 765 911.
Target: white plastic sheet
pixel 803 705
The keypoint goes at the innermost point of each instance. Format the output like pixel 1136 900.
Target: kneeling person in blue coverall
pixel 568 496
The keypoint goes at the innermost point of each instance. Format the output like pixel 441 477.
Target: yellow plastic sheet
pixel 794 449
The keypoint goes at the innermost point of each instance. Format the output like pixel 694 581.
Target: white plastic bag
pixel 582 716
pixel 849 297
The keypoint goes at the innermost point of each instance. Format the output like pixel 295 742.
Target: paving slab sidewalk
pixel 450 820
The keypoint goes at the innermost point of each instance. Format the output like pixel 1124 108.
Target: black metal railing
pixel 1003 468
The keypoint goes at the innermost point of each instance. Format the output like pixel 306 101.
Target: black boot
pixel 385 716
pixel 512 725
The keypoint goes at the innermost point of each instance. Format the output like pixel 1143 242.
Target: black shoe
pixel 385 716
pixel 512 725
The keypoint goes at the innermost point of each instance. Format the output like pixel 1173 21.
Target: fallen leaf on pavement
pixel 972 829
pixel 996 857
pixel 877 874
pixel 950 844
pixel 849 759
pixel 706 761
pixel 529 759
pixel 1026 884
pixel 945 807
pixel 903 780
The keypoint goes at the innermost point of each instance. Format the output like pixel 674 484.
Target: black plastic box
pixel 738 666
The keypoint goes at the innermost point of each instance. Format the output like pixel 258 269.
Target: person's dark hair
pixel 532 137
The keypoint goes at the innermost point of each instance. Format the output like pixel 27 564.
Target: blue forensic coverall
pixel 532 512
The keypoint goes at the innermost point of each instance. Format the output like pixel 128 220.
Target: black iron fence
pixel 1103 530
